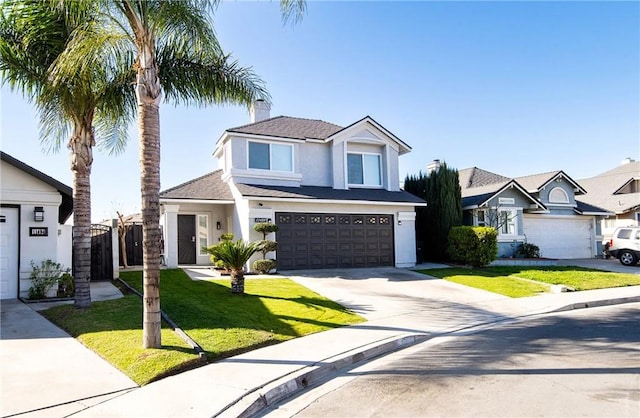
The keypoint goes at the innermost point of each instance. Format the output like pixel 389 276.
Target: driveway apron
pixel 46 372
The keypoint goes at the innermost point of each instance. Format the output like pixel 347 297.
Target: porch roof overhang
pixel 206 201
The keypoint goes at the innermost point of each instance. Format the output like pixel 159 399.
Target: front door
pixel 8 253
pixel 186 239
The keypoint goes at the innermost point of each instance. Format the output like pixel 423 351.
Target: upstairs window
pixel 558 195
pixel 364 169
pixel 274 157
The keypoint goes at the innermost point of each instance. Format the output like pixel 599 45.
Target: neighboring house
pixel 33 209
pixel 333 191
pixel 617 191
pixel 540 209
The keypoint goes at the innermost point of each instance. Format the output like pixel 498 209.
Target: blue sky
pixel 516 88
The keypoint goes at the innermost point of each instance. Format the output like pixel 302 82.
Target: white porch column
pixel 405 237
pixel 171 235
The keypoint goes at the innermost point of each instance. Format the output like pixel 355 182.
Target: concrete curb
pixel 256 400
pixel 597 303
pixel 273 392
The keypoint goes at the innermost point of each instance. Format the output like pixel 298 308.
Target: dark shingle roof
pixel 290 127
pixel 208 187
pixel 66 207
pixel 582 207
pixel 328 193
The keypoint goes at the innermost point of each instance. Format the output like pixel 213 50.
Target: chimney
pixel 627 160
pixel 259 111
pixel 433 166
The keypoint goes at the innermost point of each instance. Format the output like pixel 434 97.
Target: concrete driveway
pixel 44 372
pixel 611 264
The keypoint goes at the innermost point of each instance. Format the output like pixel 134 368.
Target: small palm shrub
pixel 234 255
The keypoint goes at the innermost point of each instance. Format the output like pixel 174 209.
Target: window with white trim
pixel 558 195
pixel 203 233
pixel 364 169
pixel 274 157
pixel 504 220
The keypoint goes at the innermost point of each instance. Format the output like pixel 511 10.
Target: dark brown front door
pixel 186 239
pixel 331 240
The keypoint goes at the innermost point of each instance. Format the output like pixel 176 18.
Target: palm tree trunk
pixel 148 92
pixel 81 159
pixel 237 281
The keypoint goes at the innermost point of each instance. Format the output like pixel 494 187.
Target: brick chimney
pixel 260 110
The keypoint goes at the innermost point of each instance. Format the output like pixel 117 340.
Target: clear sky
pixel 515 88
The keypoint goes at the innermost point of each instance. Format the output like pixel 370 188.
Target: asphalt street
pixel 579 363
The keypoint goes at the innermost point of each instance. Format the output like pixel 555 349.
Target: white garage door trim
pixel 9 230
pixel 561 236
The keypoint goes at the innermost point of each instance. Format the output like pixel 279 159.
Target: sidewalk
pixel 47 373
pixel 402 307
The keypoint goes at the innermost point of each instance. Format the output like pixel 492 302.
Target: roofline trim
pixel 376 125
pixel 187 200
pixel 332 201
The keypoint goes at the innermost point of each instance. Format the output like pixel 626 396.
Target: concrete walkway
pixel 47 373
pixel 402 307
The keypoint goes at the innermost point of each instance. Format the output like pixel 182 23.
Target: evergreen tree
pixel 441 190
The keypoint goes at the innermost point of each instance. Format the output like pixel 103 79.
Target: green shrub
pixel 476 246
pixel 528 250
pixel 66 286
pixel 44 277
pixel 227 236
pixel 264 266
pixel 265 228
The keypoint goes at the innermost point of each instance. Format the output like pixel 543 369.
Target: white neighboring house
pixel 33 209
pixel 333 191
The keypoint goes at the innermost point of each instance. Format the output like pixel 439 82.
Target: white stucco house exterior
pixel 333 191
pixel 33 210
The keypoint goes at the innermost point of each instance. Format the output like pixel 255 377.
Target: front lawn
pixel 523 281
pixel 223 324
pixel 489 281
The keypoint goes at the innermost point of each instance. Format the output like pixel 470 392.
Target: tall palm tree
pixel 176 54
pixel 91 106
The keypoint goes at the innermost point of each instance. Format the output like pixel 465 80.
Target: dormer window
pixel 267 156
pixel 364 169
pixel 558 195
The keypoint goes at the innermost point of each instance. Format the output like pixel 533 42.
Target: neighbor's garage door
pixel 329 240
pixel 559 238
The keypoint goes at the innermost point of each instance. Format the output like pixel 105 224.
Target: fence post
pixel 115 249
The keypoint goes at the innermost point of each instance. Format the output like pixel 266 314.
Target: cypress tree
pixel 441 190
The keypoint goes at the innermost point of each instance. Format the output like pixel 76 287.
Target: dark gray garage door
pixel 330 240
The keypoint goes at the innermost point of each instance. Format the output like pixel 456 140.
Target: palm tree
pixel 91 107
pixel 176 55
pixel 235 255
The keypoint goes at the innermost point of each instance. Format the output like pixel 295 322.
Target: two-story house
pixel 333 191
pixel 540 209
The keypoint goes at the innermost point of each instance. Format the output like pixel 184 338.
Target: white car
pixel 625 245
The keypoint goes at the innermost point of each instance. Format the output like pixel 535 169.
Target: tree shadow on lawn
pixel 224 324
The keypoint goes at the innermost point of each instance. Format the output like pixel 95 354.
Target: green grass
pixel 523 281
pixel 223 324
pixel 113 330
pixel 486 280
pixel 576 277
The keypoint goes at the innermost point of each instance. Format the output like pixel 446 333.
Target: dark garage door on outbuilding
pixel 331 240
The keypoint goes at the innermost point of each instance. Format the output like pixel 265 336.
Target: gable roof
pixel 328 193
pixel 66 207
pixel 475 181
pixel 304 129
pixel 289 127
pixel 536 182
pixel 602 189
pixel 207 187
